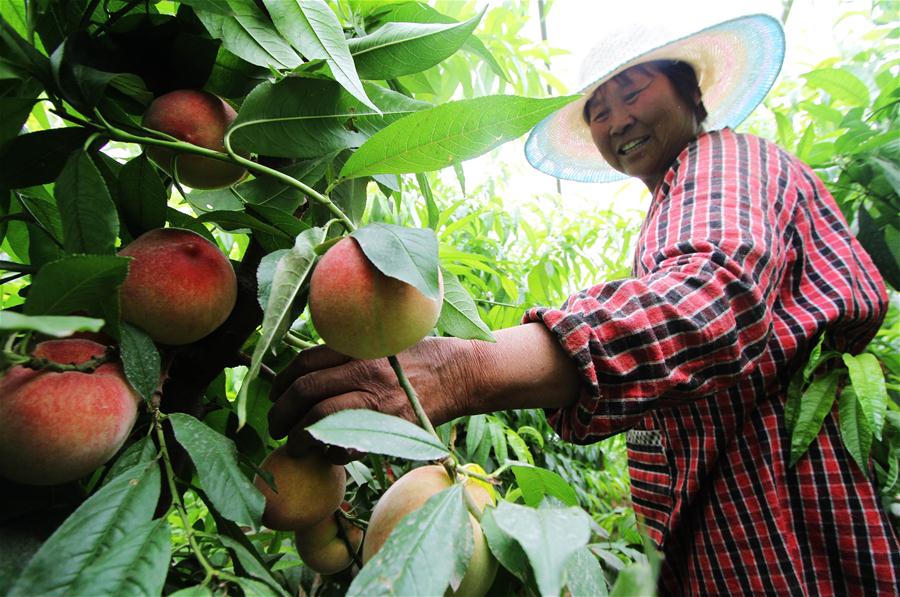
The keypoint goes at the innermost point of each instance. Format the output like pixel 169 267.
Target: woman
pixel 744 261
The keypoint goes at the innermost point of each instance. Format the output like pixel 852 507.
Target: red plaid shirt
pixel 744 260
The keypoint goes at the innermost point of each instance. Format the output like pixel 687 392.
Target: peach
pixel 200 118
pixel 309 489
pixel 323 549
pixel 59 426
pixel 361 312
pixel 410 493
pixel 180 287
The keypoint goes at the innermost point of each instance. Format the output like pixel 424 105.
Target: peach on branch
pixel 180 287
pixel 323 549
pixel 308 489
pixel 200 118
pixel 57 426
pixel 363 313
pixel 410 493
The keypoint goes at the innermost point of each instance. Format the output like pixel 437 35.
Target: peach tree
pixel 262 129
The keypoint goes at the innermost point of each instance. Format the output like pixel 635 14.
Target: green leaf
pixel 855 430
pixel 197 590
pixel 137 565
pixel 584 576
pixel 397 49
pixel 75 283
pixel 636 579
pixel 425 550
pixel 875 241
pixel 248 34
pixel 536 483
pixel 459 315
pixel 237 220
pixel 840 84
pixel 417 12
pixel 252 564
pixel 315 31
pixel 255 588
pixel 143 196
pixel 89 219
pixel 794 396
pixel 265 275
pixel 15 112
pixel 140 360
pixel 58 326
pixel 38 158
pixel 407 254
pixel 519 446
pixel 506 549
pixel 868 383
pixel 549 536
pixel 291 272
pixel 456 131
pixel 215 458
pixel 377 433
pixel 430 205
pixel 142 451
pixel 98 549
pixel 308 118
pixel 267 191
pixel 815 405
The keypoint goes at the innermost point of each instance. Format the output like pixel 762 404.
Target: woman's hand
pixel 320 382
pixel 525 368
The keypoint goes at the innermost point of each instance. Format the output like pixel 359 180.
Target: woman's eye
pixel 629 99
pixel 601 115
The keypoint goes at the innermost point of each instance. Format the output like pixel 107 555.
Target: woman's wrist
pixel 525 368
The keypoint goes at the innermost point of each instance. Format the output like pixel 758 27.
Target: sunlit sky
pixel 572 25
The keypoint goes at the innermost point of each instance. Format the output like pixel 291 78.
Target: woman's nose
pixel 619 121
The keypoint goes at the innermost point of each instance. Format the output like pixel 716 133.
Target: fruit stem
pixel 486 478
pixel 342 534
pixel 424 421
pixel 288 180
pixel 120 135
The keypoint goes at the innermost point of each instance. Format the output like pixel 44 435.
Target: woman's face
pixel 640 124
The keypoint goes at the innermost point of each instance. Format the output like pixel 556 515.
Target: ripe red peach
pixel 309 489
pixel 410 493
pixel 180 287
pixel 361 312
pixel 202 119
pixel 59 426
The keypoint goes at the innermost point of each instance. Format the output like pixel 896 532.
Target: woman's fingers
pixel 311 389
pixel 307 361
pixel 300 440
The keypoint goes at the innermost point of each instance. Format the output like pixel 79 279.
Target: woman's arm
pixel 525 368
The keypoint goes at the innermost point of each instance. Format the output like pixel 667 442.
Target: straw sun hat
pixel 736 61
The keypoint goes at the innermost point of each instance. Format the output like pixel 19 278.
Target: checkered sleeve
pixel 695 318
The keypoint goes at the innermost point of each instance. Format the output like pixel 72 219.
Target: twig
pixel 424 421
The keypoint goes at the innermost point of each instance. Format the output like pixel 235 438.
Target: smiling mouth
pixel 632 145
